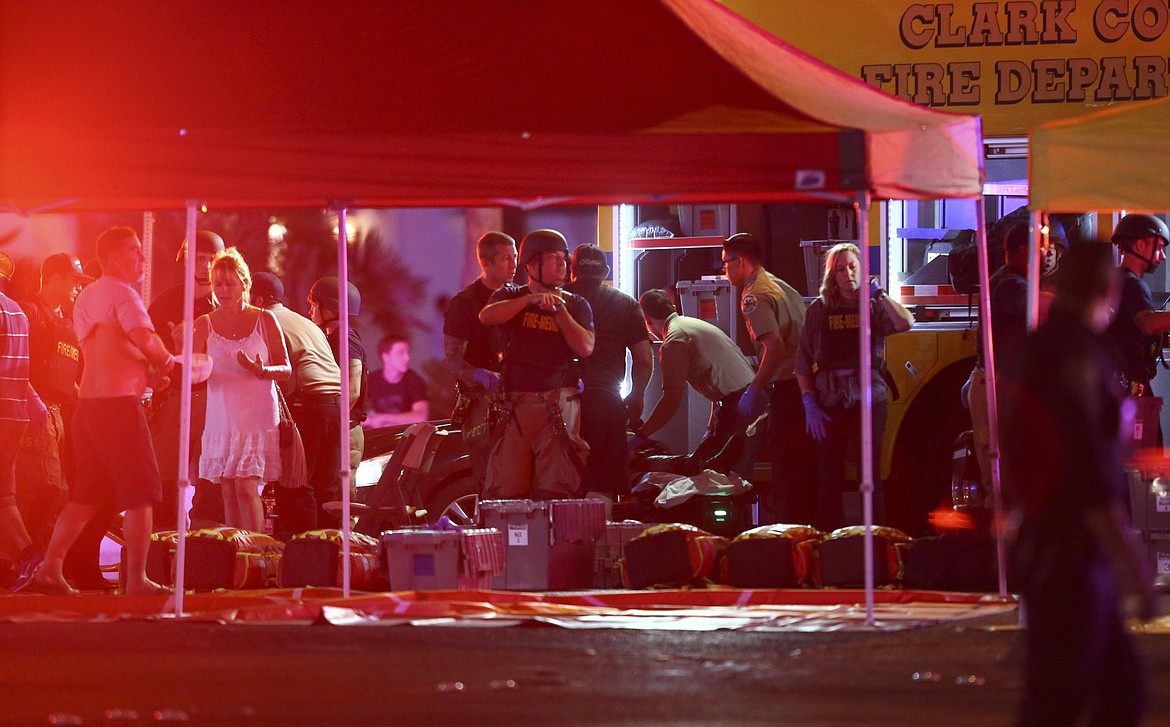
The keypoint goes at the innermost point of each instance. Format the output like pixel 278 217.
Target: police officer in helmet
pixel 546 331
pixel 1137 331
pixel 324 310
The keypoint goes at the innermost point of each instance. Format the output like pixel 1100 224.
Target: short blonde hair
pixel 830 293
pixel 231 259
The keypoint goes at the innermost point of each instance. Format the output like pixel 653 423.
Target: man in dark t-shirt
pixel 324 304
pixel 620 326
pixel 546 330
pixel 166 313
pixel 472 351
pixel 397 395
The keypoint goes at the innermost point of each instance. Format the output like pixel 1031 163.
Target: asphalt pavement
pixel 278 673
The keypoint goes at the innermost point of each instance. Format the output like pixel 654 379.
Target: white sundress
pixel 241 437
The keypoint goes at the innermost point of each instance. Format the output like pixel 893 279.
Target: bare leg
pixel 13 535
pixel 231 507
pixel 249 505
pixel 136 528
pixel 72 520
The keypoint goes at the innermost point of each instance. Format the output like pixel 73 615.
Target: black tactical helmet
pixel 325 294
pixel 1056 233
pixel 1139 225
pixel 541 241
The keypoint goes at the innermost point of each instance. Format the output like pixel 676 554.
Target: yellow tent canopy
pixel 1116 159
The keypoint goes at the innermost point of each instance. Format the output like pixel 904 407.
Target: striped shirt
pixel 13 361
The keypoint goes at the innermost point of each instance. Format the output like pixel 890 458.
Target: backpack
pixel 963 262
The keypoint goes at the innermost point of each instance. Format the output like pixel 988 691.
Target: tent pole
pixel 992 399
pixel 1035 230
pixel 148 256
pixel 185 408
pixel 865 361
pixel 343 356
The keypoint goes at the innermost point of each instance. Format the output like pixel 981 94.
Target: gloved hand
pixel 875 288
pixel 751 404
pixel 814 416
pixel 489 380
pixel 38 414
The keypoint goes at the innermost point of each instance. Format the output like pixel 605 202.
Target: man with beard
pixel 540 455
pixel 45 463
pixel 166 312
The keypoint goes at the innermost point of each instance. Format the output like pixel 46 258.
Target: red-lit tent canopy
pixel 410 103
pixel 388 103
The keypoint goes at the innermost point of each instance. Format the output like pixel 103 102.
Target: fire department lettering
pixel 539 321
pixel 844 321
pixel 69 352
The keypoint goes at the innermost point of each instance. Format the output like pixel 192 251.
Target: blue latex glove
pixel 814 416
pixel 874 288
pixel 489 380
pixel 751 404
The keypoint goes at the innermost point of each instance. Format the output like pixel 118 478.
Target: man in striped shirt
pixel 19 405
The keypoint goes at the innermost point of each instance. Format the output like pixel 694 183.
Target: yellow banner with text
pixel 1018 64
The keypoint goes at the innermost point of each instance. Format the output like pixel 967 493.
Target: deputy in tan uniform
pixel 774 313
pixel 697 353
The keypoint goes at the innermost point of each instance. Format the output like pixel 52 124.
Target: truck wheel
pixel 920 474
pixel 458 500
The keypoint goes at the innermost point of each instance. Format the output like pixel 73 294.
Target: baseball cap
pixel 62 263
pixel 267 286
pixel 205 241
pixel 589 261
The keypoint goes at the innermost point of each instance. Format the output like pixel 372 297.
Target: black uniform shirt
pixel 54 353
pixel 167 309
pixel 1009 313
pixel 357 409
pixel 1136 352
pixel 536 355
pixel 462 322
pixel 387 398
pixel 620 325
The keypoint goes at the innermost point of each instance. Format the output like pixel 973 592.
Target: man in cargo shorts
pixel 546 329
pixel 116 464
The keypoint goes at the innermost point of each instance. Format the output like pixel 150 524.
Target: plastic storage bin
pixel 549 544
pixel 441 560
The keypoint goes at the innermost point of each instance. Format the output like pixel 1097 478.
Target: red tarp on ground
pixel 696 609
pixel 408 103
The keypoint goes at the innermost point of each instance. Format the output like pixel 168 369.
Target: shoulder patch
pixel 748 303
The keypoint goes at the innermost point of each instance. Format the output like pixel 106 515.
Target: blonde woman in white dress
pixel 241 439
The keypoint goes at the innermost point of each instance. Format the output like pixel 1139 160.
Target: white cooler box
pixel 442 560
pixel 549 544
